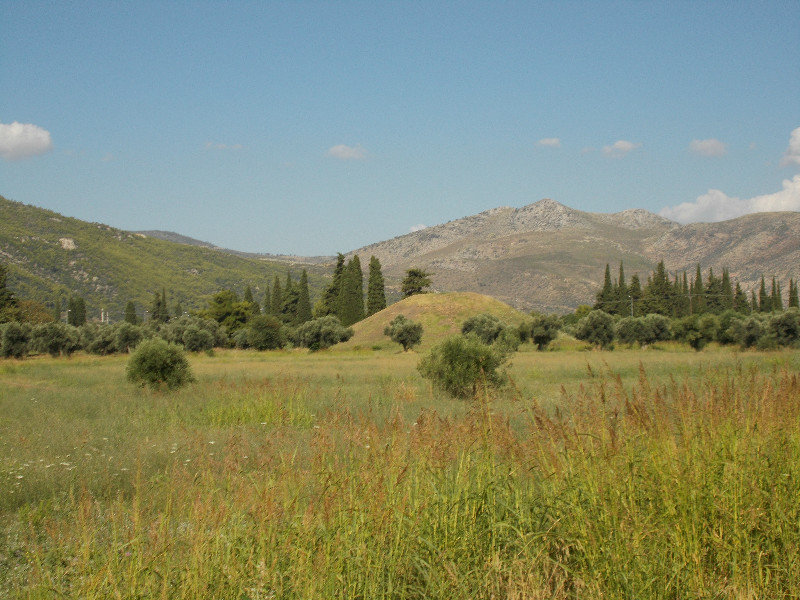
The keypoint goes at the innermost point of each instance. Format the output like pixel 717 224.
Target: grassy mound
pixel 440 315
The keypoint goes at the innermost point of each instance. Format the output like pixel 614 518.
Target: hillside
pixel 47 252
pixel 547 256
pixel 439 314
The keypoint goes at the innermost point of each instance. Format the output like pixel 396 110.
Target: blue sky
pixel 314 127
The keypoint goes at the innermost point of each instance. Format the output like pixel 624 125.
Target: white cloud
pixel 550 142
pixel 344 152
pixel 419 227
pixel 711 147
pixel 216 146
pixel 718 206
pixel 620 148
pixel 22 140
pixel 792 154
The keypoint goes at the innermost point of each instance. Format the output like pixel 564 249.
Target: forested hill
pixel 46 253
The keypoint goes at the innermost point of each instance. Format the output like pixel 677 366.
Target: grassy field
pixel 342 474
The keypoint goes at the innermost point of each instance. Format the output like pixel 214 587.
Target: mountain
pixel 550 257
pixel 48 253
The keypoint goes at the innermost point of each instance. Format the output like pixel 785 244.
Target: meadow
pixel 661 473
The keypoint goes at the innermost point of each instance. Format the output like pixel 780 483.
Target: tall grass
pixel 627 485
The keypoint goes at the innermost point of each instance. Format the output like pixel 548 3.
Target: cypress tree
pixel 764 303
pixel 635 293
pixel 775 300
pixel 255 309
pixel 328 303
pixel 794 301
pixel 303 301
pixel 291 297
pixel 57 307
pixel 605 297
pixel 7 299
pixel 754 307
pixel 267 301
pixel 130 313
pixel 658 292
pixel 277 296
pixel 740 303
pixel 351 296
pixel 376 291
pixel 713 293
pixel 698 293
pixel 727 290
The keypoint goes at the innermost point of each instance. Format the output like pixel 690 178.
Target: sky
pixel 315 127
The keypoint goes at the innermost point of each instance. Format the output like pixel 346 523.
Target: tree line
pixel 682 295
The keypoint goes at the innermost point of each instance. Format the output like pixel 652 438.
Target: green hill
pixel 47 253
pixel 440 314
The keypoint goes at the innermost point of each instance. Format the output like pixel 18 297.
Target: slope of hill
pixel 47 252
pixel 547 256
pixel 440 315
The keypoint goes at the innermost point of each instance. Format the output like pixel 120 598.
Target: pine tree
pixel 658 292
pixel 303 301
pixel 376 291
pixel 713 293
pixel 277 296
pixel 415 282
pixel 794 301
pixel 130 313
pixel 7 300
pixel 351 296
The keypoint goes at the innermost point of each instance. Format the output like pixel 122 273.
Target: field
pixel 342 474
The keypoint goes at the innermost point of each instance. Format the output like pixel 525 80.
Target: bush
pixel 541 330
pixel 404 331
pixel 55 339
pixel 461 363
pixel 487 327
pixel 266 332
pixel 597 328
pixel 697 331
pixel 197 340
pixel 746 332
pixel 98 339
pixel 785 327
pixel 157 363
pixel 658 328
pixel 727 326
pixel 321 333
pixel 128 336
pixel 15 339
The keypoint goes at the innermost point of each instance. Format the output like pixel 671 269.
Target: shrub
pixel 746 332
pixel 785 327
pixel 658 328
pixel 461 363
pixel 98 339
pixel 266 332
pixel 321 333
pixel 542 330
pixel 241 339
pixel 157 363
pixel 404 331
pixel 726 332
pixel 15 339
pixel 128 336
pixel 697 331
pixel 487 327
pixel 197 340
pixel 597 328
pixel 55 339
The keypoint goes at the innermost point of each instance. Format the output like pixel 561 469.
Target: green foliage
pixel 542 330
pixel 461 364
pixel 321 333
pixel 128 336
pixel 158 363
pixel 130 313
pixel 404 331
pixel 328 304
pixel 98 339
pixel 55 339
pixel 14 340
pixel 76 311
pixel 376 292
pixel 785 327
pixel 415 282
pixel 351 293
pixel 747 332
pixel 226 309
pixel 303 313
pixel 7 299
pixel 486 326
pixel 597 328
pixel 697 331
pixel 196 339
pixel 266 332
